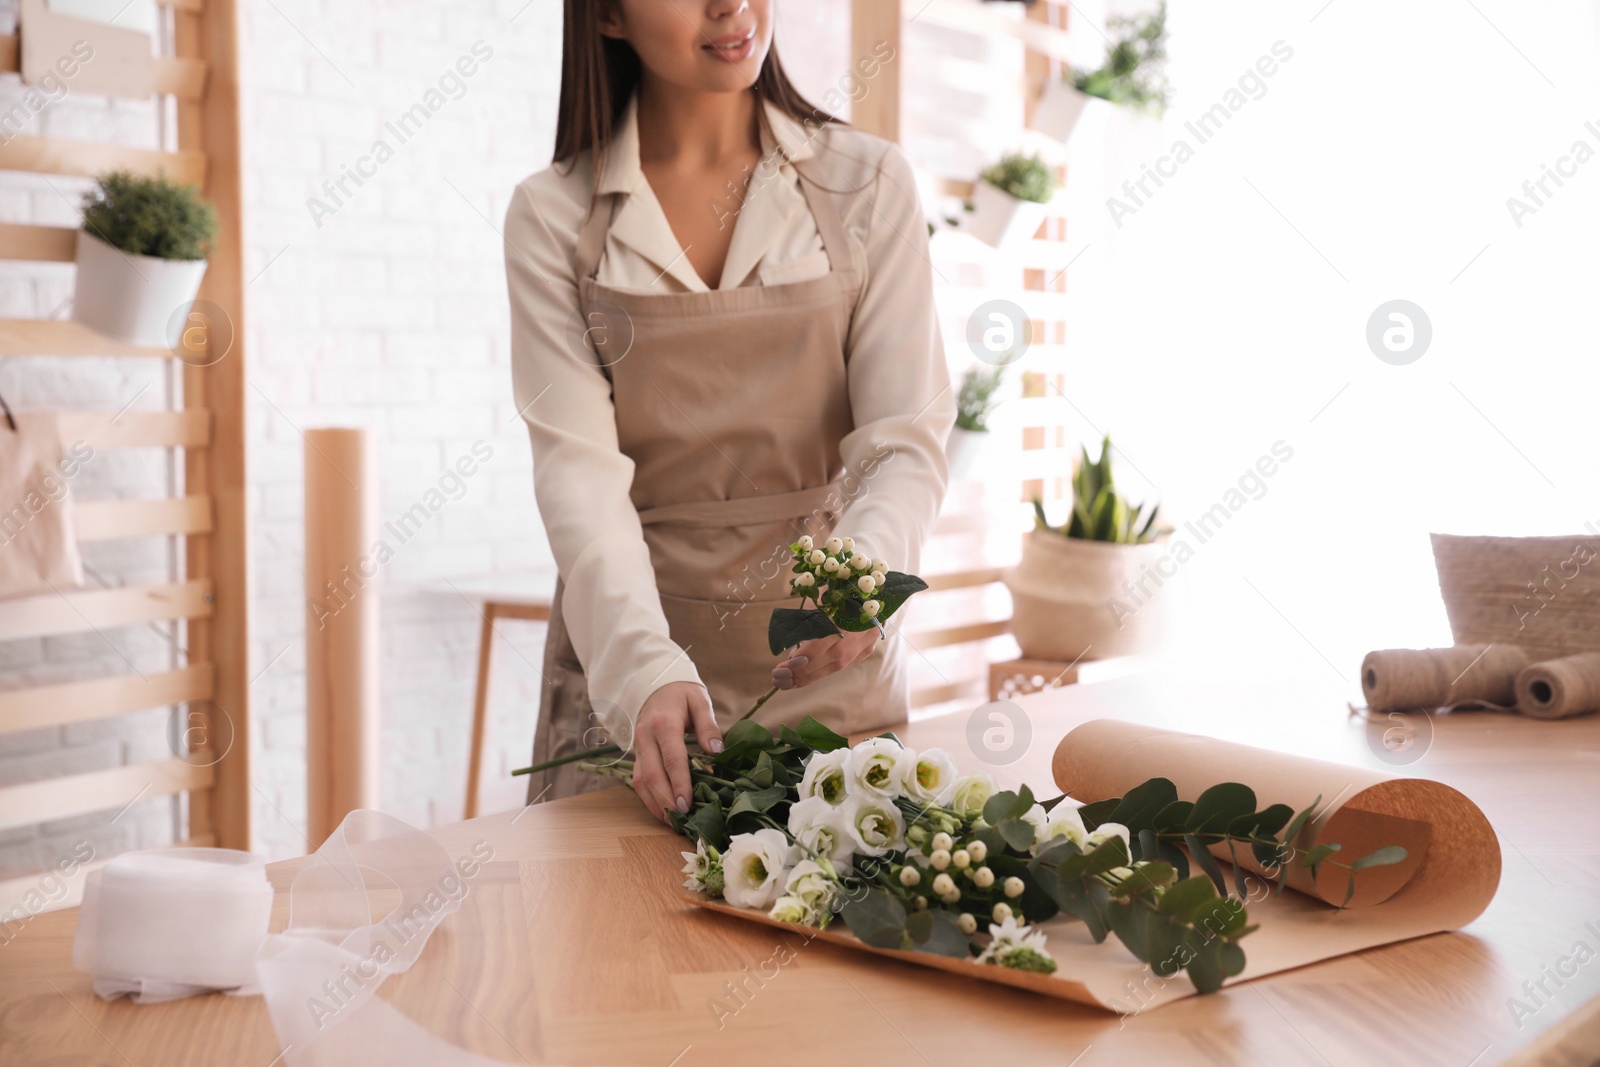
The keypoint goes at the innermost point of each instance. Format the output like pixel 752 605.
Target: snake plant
pixel 1099 512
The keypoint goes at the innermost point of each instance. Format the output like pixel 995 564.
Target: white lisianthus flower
pixel 805 542
pixel 1065 822
pixel 755 867
pixel 870 608
pixel 1107 830
pixel 878 766
pixel 972 793
pixel 791 909
pixel 822 828
pixel 827 776
pixel 866 584
pixel 930 778
pixel 875 823
pixel 833 545
pixel 1035 817
pixel 815 887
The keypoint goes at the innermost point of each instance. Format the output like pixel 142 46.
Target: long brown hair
pixel 600 73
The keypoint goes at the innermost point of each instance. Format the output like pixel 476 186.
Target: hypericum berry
pixel 1002 912
pixel 978 851
pixel 1014 887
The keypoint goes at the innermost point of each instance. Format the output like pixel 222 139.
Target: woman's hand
pixel 819 657
pixel 661 759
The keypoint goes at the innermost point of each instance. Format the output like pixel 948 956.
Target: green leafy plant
pixel 1134 73
pixel 150 216
pixel 977 399
pixel 1099 512
pixel 1024 177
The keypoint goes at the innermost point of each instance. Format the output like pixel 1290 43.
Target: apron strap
pixel 749 510
pixel 829 225
pixel 592 234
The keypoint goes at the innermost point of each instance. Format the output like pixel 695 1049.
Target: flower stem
pixel 757 705
pixel 603 750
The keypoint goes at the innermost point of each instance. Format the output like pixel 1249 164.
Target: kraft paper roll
pixel 1394 679
pixel 1560 688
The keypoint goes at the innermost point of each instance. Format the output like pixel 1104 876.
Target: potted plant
pixel 1133 75
pixel 141 255
pixel 1009 200
pixel 974 403
pixel 1074 593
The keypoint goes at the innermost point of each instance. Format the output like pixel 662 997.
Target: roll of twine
pixel 1399 678
pixel 1560 688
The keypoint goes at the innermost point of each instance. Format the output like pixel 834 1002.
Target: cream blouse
pixel 899 384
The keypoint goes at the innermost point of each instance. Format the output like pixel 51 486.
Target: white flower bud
pixel 983 877
pixel 944 885
pixel 910 876
pixel 978 851
pixel 1014 887
pixel 966 924
pixel 833 545
pixel 830 564
pixel 805 543
pixel 870 608
pixel 940 859
pixel 944 841
pixel 960 858
pixel 1002 912
pixel 816 556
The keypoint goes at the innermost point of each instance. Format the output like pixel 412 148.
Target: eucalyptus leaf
pixel 935 931
pixel 877 918
pixel 1138 808
pixel 1220 805
pixel 1208 863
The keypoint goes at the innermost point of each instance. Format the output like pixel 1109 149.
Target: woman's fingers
pixel 675 761
pixel 706 732
pixel 649 778
pixel 822 656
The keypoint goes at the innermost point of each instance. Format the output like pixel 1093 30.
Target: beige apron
pixel 732 404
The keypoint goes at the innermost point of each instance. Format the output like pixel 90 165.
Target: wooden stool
pixel 523 595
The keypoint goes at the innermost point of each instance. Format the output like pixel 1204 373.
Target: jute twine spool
pixel 1559 688
pixel 1397 678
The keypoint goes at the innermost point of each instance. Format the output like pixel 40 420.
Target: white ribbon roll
pixel 173 922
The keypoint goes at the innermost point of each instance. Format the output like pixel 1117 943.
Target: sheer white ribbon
pixel 172 923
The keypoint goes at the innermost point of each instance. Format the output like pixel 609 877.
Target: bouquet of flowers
pixel 913 856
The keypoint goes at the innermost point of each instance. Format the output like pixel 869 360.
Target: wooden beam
pixel 86 159
pixel 209 31
pixel 60 337
pixel 184 78
pixel 79 611
pixel 130 429
pixel 82 794
pixel 102 698
pixel 42 244
pixel 111 520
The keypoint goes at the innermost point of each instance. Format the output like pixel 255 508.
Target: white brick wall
pixel 392 315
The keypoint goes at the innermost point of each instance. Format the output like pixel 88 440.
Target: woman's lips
pixel 733 47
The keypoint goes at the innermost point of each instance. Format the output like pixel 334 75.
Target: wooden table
pixel 579 949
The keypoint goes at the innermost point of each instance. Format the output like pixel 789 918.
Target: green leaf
pixel 1144 879
pixel 742 741
pixel 935 931
pixel 1138 808
pixel 1383 857
pixel 757 801
pixel 1098 812
pixel 818 737
pixel 1017 833
pixel 1174 816
pixel 790 626
pixel 1184 897
pixel 1220 805
pixel 877 918
pixel 1038 901
pixel 705 823
pixel 1208 863
pixel 1008 805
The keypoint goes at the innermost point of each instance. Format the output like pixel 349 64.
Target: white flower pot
pixel 1058 109
pixel 1069 601
pixel 131 298
pixel 967 450
pixel 1001 220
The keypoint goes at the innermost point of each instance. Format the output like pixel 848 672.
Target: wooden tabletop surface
pixel 579 949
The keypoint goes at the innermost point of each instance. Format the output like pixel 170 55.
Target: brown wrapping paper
pixel 1560 688
pixel 1395 679
pixel 1448 879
